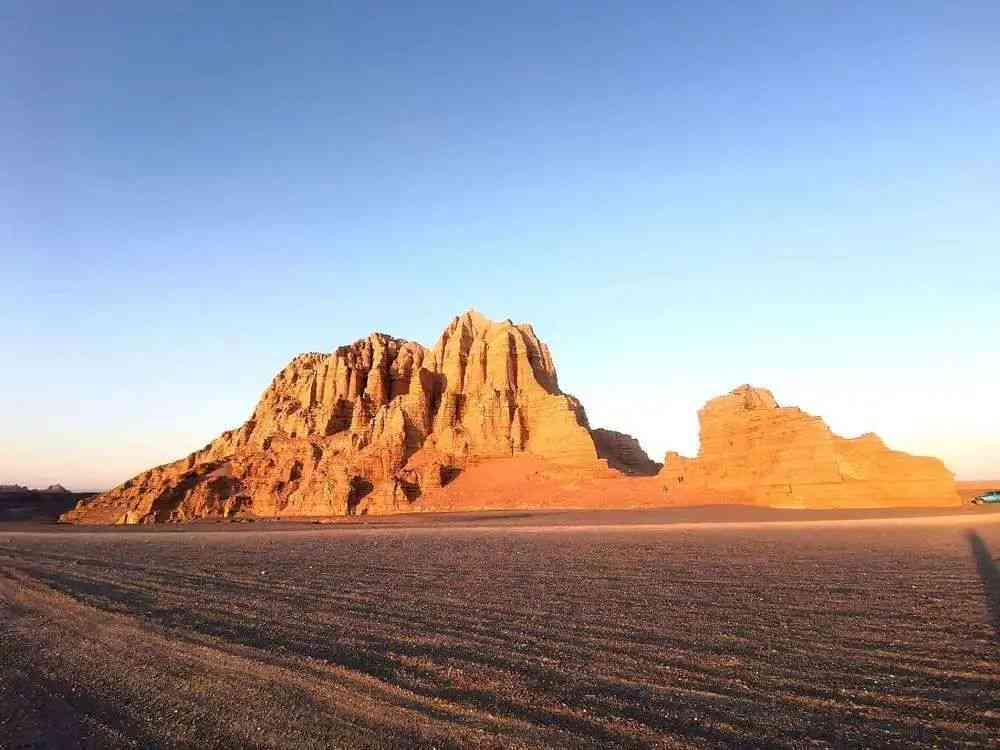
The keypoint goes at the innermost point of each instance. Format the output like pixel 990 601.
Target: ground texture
pixel 649 629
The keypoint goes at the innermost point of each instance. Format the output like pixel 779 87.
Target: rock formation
pixel 369 428
pixel 754 451
pixel 52 489
pixel 623 452
pixel 384 425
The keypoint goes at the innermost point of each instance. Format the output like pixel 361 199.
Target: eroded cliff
pixel 385 425
pixel 754 451
pixel 369 427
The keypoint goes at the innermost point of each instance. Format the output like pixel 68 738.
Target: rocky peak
pixel 475 352
pixel 498 392
pixel 330 425
pixel 743 398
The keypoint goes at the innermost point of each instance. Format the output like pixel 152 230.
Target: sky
pixel 681 197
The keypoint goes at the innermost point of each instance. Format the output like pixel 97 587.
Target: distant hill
pixel 52 489
pixel 19 503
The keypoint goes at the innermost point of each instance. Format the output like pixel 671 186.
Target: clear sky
pixel 681 197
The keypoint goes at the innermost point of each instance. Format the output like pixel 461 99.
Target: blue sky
pixel 681 197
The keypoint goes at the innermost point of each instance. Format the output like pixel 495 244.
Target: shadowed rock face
pixel 369 427
pixel 623 452
pixel 753 450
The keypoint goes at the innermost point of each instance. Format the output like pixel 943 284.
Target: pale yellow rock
pixel 754 451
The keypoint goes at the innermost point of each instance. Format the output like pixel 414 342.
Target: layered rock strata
pixel 754 451
pixel 478 421
pixel 623 452
pixel 339 433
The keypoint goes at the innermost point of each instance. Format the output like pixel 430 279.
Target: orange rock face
pixel 755 451
pixel 370 427
pixel 478 421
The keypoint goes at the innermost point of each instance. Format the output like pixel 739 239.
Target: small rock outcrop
pixel 754 451
pixel 623 452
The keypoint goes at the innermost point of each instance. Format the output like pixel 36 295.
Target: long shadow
pixel 990 575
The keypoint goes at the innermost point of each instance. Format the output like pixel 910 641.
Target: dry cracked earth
pixel 527 630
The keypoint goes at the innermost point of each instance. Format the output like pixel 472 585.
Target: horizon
pixel 678 199
pixel 493 319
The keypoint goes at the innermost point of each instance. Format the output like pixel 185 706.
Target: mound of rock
pixel 754 451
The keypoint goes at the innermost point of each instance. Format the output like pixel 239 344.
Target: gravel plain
pixel 693 628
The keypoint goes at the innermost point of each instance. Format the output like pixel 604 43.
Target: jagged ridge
pixel 335 433
pixel 385 425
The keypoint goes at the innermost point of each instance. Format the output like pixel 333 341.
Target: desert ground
pixel 696 627
pixel 969 490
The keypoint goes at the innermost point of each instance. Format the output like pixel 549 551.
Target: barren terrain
pixel 681 628
pixel 969 490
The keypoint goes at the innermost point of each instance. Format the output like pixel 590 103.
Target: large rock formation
pixel 370 428
pixel 754 451
pixel 385 425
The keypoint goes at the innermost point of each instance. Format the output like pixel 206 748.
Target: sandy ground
pixel 678 628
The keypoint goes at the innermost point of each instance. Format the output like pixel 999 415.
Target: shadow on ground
pixel 990 575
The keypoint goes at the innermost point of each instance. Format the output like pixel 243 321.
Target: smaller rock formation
pixel 623 452
pixel 754 451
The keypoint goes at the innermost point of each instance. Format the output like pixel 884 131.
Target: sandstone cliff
pixel 754 451
pixel 478 421
pixel 370 427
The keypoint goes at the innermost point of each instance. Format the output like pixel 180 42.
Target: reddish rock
pixel 338 433
pixel 754 451
pixel 478 421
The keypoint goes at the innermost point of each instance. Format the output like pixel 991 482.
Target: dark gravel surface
pixel 461 634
